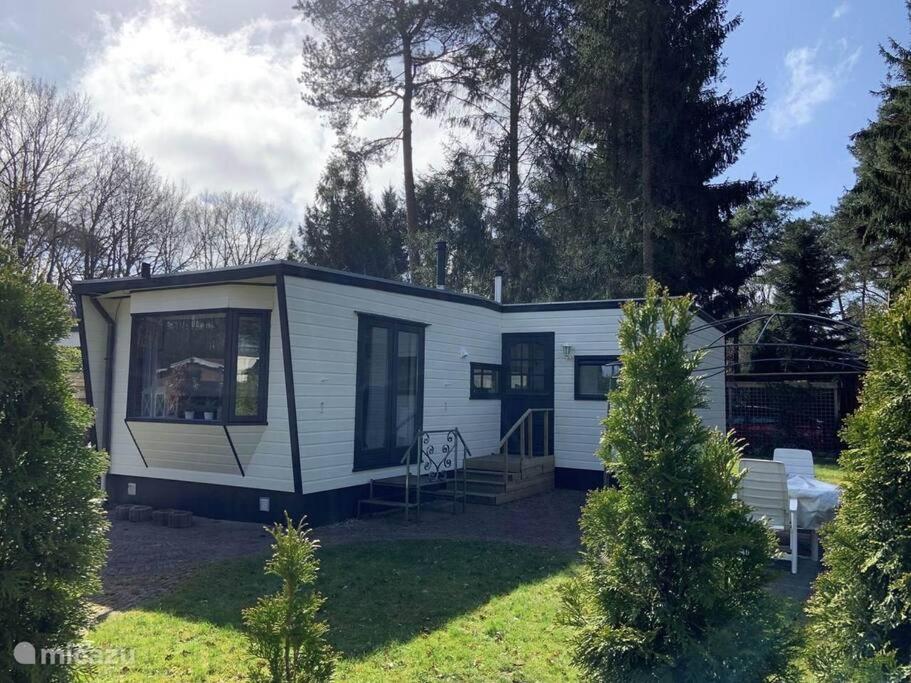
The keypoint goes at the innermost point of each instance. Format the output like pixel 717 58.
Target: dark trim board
pixel 278 269
pixel 290 396
pixel 581 480
pixel 235 502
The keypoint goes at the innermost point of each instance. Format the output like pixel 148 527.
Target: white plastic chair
pixel 764 488
pixel 796 461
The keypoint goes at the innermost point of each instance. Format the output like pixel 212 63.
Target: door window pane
pixel 250 355
pixel 406 403
pixel 377 383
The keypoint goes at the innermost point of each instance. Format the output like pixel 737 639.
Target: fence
pixel 771 414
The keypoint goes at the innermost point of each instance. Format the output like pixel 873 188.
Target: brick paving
pixel 146 560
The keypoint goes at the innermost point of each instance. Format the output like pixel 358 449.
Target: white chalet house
pixel 242 392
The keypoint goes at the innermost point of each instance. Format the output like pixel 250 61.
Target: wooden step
pixel 541 486
pixel 496 462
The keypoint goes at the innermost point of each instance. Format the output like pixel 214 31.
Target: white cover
pixel 816 500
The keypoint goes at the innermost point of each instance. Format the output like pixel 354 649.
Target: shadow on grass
pixel 376 593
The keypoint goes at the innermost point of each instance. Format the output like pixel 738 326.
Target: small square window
pixel 485 380
pixel 595 377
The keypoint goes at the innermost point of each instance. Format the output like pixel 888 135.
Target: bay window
pixel 199 366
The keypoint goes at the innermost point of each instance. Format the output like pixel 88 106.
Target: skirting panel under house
pixel 233 502
pixel 580 480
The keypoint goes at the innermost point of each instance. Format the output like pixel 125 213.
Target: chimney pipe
pixel 498 286
pixel 145 270
pixel 441 264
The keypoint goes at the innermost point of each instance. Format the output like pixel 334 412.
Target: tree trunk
pixel 411 204
pixel 648 234
pixel 513 144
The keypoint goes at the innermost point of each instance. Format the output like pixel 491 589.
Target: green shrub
pixel 52 527
pixel 860 625
pixel 673 573
pixel 283 628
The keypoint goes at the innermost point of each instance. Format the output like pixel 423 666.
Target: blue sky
pixel 208 88
pixel 819 61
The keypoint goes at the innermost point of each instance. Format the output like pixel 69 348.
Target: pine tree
pixel 452 207
pixel 641 98
pixel 876 211
pixel 672 584
pixel 344 229
pixel 373 56
pixel 803 279
pixel 860 613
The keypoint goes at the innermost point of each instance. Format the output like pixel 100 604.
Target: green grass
pixel 406 610
pixel 830 472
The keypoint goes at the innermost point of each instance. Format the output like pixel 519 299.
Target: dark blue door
pixel 528 382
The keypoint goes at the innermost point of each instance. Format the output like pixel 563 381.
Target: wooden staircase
pixel 446 473
pixel 491 482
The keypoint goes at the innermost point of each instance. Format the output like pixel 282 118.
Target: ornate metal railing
pixel 438 457
pixel 525 426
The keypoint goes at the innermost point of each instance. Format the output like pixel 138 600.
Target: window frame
pixel 578 362
pixel 229 388
pixel 478 393
pixel 389 455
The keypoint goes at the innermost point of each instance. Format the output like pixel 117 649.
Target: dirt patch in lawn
pixel 146 561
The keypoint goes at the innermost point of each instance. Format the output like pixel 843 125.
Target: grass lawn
pixel 405 610
pixel 829 472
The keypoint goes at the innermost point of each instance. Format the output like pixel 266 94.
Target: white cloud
pixel 810 85
pixel 223 110
pixel 841 9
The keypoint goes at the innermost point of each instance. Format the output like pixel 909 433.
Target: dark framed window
pixel 594 377
pixel 390 390
pixel 485 380
pixel 207 366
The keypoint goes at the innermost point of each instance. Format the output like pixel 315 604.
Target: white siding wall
pixel 577 424
pixel 715 414
pixel 323 326
pixel 269 465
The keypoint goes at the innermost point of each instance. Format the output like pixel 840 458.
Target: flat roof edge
pixel 230 275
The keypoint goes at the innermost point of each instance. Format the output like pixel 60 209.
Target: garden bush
pixel 52 527
pixel 284 630
pixel 672 581
pixel 860 614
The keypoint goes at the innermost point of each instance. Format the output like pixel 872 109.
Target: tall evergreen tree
pixel 802 279
pixel 641 105
pixel 344 228
pixel 373 56
pixel 877 209
pixel 516 56
pixel 860 613
pixel 671 587
pixel 452 208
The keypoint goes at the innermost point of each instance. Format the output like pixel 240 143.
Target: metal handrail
pixel 419 436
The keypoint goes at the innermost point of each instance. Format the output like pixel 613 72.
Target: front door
pixel 528 382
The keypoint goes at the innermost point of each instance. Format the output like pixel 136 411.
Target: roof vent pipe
pixel 498 286
pixel 145 270
pixel 441 264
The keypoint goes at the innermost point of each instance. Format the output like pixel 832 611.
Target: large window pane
pixel 407 388
pixel 179 366
pixel 250 360
pixel 377 376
